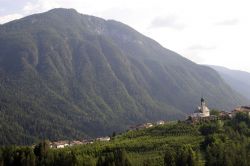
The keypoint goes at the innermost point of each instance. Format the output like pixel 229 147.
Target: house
pixel 103 138
pixel 148 125
pixel 88 141
pixel 245 109
pixel 137 127
pixel 225 115
pixel 160 122
pixel 59 144
pixel 73 143
pixel 141 126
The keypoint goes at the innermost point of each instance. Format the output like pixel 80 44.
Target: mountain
pixel 238 80
pixel 66 75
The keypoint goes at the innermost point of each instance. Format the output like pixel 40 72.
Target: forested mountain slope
pixel 238 80
pixel 68 75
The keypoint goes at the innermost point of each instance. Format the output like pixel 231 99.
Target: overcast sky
pixel 205 31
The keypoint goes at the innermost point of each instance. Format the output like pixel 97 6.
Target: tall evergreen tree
pixel 41 151
pixel 170 157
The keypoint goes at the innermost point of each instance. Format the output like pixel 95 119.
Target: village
pixel 203 113
pixel 200 115
pixel 66 143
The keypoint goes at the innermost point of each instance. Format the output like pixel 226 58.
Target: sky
pixel 215 32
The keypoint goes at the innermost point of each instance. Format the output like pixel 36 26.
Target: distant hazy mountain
pixel 67 75
pixel 238 80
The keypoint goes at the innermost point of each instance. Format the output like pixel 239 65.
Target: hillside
pixel 66 75
pixel 238 80
pixel 221 142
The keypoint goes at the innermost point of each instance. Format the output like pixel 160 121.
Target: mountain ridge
pixel 237 79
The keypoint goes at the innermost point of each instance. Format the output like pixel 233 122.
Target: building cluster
pixel 202 113
pixel 63 144
pixel 147 125
pixel 244 109
pixel 103 139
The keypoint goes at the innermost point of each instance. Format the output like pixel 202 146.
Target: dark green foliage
pixel 242 117
pixel 170 157
pixel 41 152
pixel 185 156
pixel 227 153
pixel 225 147
pixel 64 75
pixel 114 158
pixel 208 140
pixel 214 112
pixel 229 146
pixel 207 129
pixel 12 156
pixel 65 159
pixel 121 158
pixel 241 123
pixel 1 157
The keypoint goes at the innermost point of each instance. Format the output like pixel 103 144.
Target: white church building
pixel 202 110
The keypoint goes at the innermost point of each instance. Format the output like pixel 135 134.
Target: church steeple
pixel 202 100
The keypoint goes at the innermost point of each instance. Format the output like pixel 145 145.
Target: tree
pixel 207 129
pixel 241 117
pixel 215 154
pixel 27 157
pixel 122 158
pixel 118 157
pixel 170 157
pixel 208 140
pixel 41 151
pixel 182 156
pixel 215 112
pixel 1 157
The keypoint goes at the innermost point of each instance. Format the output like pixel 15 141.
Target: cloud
pixel 194 56
pixel 120 14
pixel 198 53
pixel 39 6
pixel 228 22
pixel 10 17
pixel 170 21
pixel 27 8
pixel 199 47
